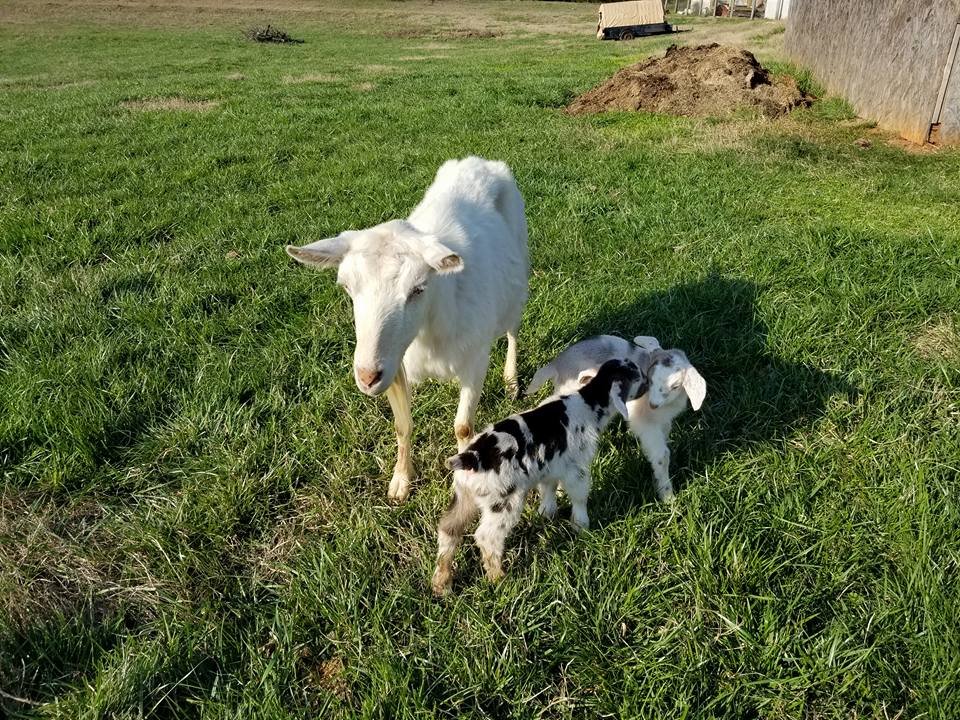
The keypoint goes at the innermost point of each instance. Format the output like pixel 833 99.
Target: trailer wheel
pixel 626 35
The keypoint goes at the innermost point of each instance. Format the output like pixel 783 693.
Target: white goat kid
pixel 553 444
pixel 672 382
pixel 433 292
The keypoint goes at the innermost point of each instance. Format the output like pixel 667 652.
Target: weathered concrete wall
pixel 887 58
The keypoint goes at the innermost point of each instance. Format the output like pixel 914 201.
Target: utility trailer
pixel 627 20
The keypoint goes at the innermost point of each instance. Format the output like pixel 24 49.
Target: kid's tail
pixel 545 373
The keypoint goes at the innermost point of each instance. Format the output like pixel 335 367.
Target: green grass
pixel 193 520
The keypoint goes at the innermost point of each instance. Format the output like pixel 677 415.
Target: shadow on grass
pixel 62 650
pixel 753 397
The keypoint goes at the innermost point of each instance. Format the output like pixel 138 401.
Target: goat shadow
pixel 753 397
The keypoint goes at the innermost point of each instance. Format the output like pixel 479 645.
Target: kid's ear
pixel 586 376
pixel 462 461
pixel 695 386
pixel 617 401
pixel 647 342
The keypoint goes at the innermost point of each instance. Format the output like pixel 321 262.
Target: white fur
pixel 433 292
pixel 651 416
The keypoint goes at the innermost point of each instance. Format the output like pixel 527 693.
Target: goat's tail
pixel 547 372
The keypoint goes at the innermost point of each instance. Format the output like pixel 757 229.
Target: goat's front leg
pixel 471 384
pixel 510 366
pixel 399 396
pixel 654 443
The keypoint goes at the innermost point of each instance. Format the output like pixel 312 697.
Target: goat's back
pixel 471 188
pixel 587 354
pixel 475 208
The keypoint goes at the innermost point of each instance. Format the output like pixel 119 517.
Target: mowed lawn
pixel 193 519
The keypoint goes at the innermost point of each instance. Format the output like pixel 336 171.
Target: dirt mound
pixel 710 80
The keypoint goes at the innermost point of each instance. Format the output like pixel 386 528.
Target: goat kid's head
pixel 671 376
pixel 619 381
pixel 386 270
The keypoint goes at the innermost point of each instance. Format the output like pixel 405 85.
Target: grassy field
pixel 193 519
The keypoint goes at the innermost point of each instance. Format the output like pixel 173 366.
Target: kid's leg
pixel 496 522
pixel 460 513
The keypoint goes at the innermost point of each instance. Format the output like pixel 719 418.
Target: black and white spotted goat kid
pixel 553 444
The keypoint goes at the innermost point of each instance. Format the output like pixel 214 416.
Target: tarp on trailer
pixel 637 12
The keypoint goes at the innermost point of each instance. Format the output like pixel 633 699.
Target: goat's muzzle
pixel 369 380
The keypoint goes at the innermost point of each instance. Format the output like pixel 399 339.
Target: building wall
pixel 886 58
pixel 950 114
pixel 776 9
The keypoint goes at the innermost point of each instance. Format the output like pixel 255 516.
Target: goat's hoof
pixel 548 511
pixel 495 574
pixel 512 388
pixel 666 496
pixel 442 582
pixel 399 489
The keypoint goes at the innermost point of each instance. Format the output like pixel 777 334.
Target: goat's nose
pixel 369 377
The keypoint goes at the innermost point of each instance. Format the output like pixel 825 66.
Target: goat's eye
pixel 416 292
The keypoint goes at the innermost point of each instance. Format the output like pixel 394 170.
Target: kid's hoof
pixel 442 582
pixel 666 495
pixel 548 510
pixel 495 574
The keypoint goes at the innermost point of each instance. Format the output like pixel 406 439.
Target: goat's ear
pixel 647 342
pixel 695 386
pixel 322 253
pixel 463 461
pixel 617 401
pixel 586 376
pixel 440 257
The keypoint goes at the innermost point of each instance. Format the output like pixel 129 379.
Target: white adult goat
pixel 431 293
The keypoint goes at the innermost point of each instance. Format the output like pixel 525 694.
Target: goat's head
pixel 671 376
pixel 386 270
pixel 617 382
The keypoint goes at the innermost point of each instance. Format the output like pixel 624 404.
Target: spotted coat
pixel 550 446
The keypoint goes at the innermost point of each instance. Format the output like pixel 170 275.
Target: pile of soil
pixel 710 80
